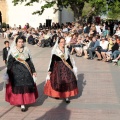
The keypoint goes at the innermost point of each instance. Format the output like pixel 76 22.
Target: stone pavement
pixel 98 99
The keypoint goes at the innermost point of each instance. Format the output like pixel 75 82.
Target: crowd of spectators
pixel 101 41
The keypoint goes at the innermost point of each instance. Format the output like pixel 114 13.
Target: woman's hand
pixel 35 74
pixel 49 73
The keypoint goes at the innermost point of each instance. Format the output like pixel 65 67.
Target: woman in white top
pixel 104 45
pixel 102 49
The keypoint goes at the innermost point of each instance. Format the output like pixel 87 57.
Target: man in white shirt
pixel 65 29
pixel 98 29
pixel 67 38
pixel 114 29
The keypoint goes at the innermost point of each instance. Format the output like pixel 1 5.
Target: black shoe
pixel 67 101
pixel 23 109
pixel 89 58
pixel 78 55
pixel 56 98
pixel 110 61
pixel 99 59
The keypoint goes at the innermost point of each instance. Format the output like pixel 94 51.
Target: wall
pixel 67 15
pixel 20 15
pixel 3 9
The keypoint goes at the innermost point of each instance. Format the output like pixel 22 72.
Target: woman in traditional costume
pixel 21 88
pixel 61 82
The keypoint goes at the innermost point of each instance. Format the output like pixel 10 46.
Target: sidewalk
pixel 98 99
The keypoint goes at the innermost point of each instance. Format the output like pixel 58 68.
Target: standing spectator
pixel 27 26
pixel 98 29
pixel 40 26
pixel 44 26
pixel 114 29
pixel 19 27
pixel 5 51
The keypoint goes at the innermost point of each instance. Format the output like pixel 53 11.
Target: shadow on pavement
pixel 3 67
pixel 81 84
pixel 1 53
pixel 1 86
pixel 42 97
pixel 57 113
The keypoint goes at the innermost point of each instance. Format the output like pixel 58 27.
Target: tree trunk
pixel 78 12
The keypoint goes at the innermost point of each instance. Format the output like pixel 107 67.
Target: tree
pixel 96 7
pixel 114 10
pixel 76 5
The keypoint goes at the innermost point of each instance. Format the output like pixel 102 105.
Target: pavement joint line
pixel 6 111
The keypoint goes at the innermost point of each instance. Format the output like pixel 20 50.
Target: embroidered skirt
pixel 62 83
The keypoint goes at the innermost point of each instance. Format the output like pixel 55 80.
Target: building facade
pixel 20 14
pixel 3 10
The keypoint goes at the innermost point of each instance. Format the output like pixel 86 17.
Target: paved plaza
pixel 98 99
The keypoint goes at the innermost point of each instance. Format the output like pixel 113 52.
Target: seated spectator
pixel 53 38
pixel 116 52
pixel 10 33
pixel 115 47
pixel 78 47
pixel 80 30
pixel 87 46
pixel 46 40
pixel 93 47
pixel 117 31
pixel 92 31
pixel 87 28
pixel 13 33
pixel 41 37
pixel 65 29
pixel 73 41
pixel 31 39
pixel 102 49
pixel 6 33
pixel 67 38
pixel 110 45
pixel 116 60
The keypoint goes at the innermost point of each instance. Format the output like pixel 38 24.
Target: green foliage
pixel 4 25
pixel 92 7
pixel 87 8
pixel 114 10
pixel 47 5
pixel 99 6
